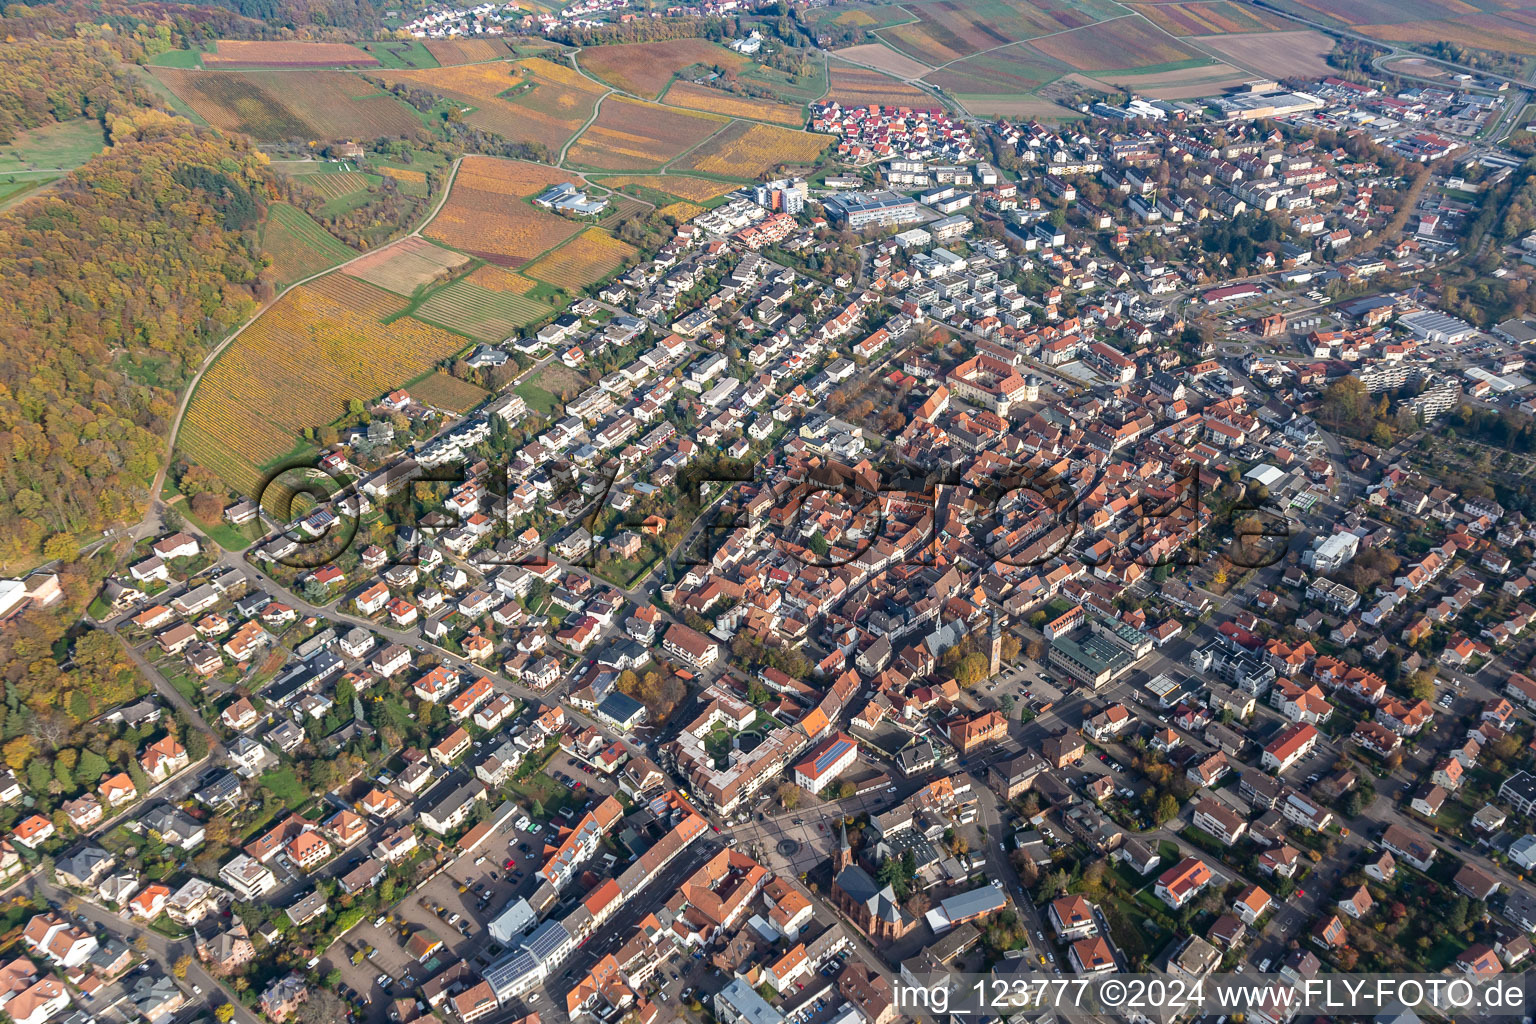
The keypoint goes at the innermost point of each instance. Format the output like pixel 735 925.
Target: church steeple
pixel 844 856
pixel 995 652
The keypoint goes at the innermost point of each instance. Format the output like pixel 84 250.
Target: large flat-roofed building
pixel 1093 658
pixel 1253 106
pixel 856 210
pixel 1434 326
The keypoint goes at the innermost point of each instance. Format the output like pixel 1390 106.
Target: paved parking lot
pixel 411 915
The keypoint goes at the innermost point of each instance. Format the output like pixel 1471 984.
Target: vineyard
pixel 951 29
pixel 446 392
pixel 680 210
pixel 544 102
pixel 629 133
pixel 485 214
pixel 645 68
pixel 493 278
pixel 297 245
pixel 860 87
pixel 747 150
pixel 273 106
pixel 697 190
pixel 466 51
pixel 584 260
pixel 1509 31
pixel 1380 12
pixel 480 313
pixel 258 53
pixel 1129 42
pixel 1202 18
pixel 406 265
pixel 699 97
pixel 1010 72
pixel 334 186
pixel 315 349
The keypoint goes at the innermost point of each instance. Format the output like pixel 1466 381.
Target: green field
pixel 869 16
pixel 299 247
pixel 54 148
pixel 479 312
pixel 787 87
pixel 399 53
pixel 177 59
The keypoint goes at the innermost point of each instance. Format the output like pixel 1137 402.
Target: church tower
pixel 996 656
pixel 843 858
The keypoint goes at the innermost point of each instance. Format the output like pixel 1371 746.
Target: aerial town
pixel 995 545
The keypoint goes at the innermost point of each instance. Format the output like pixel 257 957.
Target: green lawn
pixel 538 399
pixel 285 785
pixel 175 675
pixel 228 537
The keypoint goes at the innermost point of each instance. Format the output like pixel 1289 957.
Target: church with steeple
pixel 872 907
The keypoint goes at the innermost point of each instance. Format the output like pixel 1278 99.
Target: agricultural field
pixel 1209 18
pixel 480 313
pixel 1500 25
pixel 859 15
pixel 492 278
pixel 314 350
pixel 583 261
pixel 486 214
pixel 399 53
pixel 1125 43
pixel 1007 72
pixel 335 185
pixel 447 392
pixel 1509 32
pixel 715 101
pixel 259 53
pixel 948 30
pixel 1277 54
pixel 466 51
pixel 274 106
pixel 297 245
pixel 697 190
pixel 644 69
pixel 1180 83
pixel 533 100
pixel 629 133
pixel 747 150
pixel 883 58
pixel 1348 13
pixel 404 266
pixel 412 182
pixel 681 210
pixel 858 87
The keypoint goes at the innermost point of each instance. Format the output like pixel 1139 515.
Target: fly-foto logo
pixel 825 514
